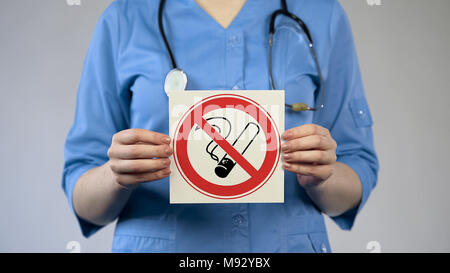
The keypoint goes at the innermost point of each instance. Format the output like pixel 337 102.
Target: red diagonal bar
pixel 227 147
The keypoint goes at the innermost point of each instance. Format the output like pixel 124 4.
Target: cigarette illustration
pixel 241 144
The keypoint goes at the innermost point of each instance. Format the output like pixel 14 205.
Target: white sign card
pixel 226 146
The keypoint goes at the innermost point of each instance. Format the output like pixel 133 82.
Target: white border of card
pixel 216 161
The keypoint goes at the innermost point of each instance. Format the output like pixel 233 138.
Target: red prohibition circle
pixel 205 187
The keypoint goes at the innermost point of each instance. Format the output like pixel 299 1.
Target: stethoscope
pixel 176 79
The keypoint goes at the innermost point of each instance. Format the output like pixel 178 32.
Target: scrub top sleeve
pixel 102 109
pixel 346 112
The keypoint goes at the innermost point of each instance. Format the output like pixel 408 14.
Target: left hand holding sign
pixel 310 152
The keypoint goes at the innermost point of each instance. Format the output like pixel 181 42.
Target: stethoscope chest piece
pixel 176 80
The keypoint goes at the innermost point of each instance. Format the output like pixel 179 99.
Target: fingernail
pixel 286 165
pixel 286 134
pixel 284 147
pixel 168 151
pixel 167 172
pixel 287 156
pixel 166 140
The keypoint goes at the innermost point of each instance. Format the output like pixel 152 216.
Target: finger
pixel 305 130
pixel 308 143
pixel 133 136
pixel 139 165
pixel 140 151
pixel 126 179
pixel 320 171
pixel 315 156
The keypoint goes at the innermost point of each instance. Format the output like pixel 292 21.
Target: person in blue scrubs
pixel 117 155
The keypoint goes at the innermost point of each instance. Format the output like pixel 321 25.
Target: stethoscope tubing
pixel 283 11
pixel 163 33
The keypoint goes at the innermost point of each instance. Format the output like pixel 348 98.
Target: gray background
pixel 403 50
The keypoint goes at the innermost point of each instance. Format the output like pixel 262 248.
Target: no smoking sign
pixel 226 146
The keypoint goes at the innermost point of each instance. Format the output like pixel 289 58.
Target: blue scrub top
pixel 122 87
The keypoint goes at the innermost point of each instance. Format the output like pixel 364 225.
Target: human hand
pixel 138 155
pixel 310 152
